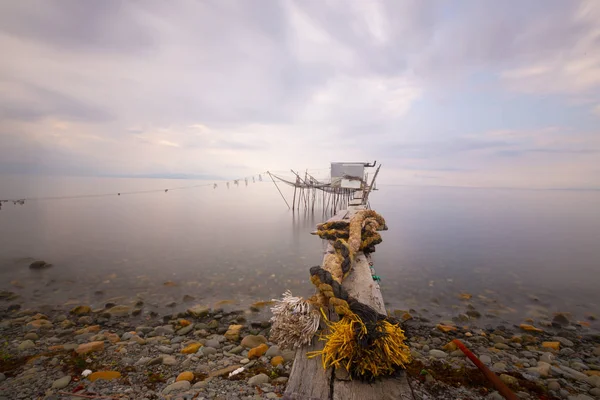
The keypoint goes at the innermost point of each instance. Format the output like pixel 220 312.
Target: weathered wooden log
pixel 309 381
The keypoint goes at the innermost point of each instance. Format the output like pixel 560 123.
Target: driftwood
pixel 309 381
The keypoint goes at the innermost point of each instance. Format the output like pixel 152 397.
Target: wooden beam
pixel 309 381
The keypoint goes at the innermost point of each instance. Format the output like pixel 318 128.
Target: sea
pixel 512 255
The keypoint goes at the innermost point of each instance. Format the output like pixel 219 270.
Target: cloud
pixel 162 88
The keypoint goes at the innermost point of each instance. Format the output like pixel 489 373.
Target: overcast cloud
pixel 469 93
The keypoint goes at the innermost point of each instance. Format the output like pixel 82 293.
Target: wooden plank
pixel 360 285
pixel 309 381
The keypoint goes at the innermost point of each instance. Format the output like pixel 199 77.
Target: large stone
pixel 258 379
pixel 177 387
pixel 198 311
pixel 81 310
pixel 560 320
pixel 258 351
pixel 191 348
pixel 89 347
pixel 252 341
pixel 39 324
pixel 185 376
pixel 273 351
pixel 62 382
pixel 39 265
pixel 119 311
pixel 437 353
pixel 26 345
pixel 104 375
pixel 233 332
pixel 509 380
pixel 275 361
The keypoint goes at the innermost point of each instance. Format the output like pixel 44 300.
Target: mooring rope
pixel 365 342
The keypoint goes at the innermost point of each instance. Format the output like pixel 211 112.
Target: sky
pixel 462 93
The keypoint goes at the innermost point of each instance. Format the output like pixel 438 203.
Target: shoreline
pixel 143 355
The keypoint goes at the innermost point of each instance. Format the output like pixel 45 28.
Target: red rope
pixel 498 384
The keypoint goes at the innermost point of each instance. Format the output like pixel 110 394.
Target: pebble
pixel 177 387
pixel 62 382
pixel 169 360
pixel 26 345
pixel 273 351
pixel 165 349
pixel 213 343
pixel 509 380
pixel 595 392
pixel 484 358
pixel 502 346
pixel 547 358
pixel 437 353
pixel 554 385
pixel 185 330
pixel 209 350
pixel 31 336
pixel 244 361
pixel 499 367
pixel 252 341
pixel 2 377
pixel 258 379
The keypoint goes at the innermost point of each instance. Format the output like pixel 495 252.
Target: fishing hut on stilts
pixel 347 346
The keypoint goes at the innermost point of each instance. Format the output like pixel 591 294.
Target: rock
pixel 272 395
pixel 509 380
pixel 484 358
pixel 198 311
pixel 89 347
pixel 165 349
pixel 551 345
pixel 244 361
pixel 474 314
pixel 252 341
pixel 573 373
pixel 177 387
pixel 185 376
pixel 565 342
pixel 275 361
pixel 580 397
pixel 39 265
pixel 258 351
pixel 437 353
pixel 26 345
pixel 502 346
pixel 547 358
pixel 213 343
pixel 39 324
pixel 595 392
pixel 2 377
pixel 81 310
pixel 446 328
pixel 85 320
pixel 169 360
pixel 566 352
pixel 104 375
pixel 282 380
pixel 31 336
pixel 154 361
pixel 237 350
pixel 288 355
pixel 191 348
pixel 62 382
pixel 499 367
pixel 119 311
pixel 258 379
pixel 185 330
pixel 137 339
pixel 560 320
pixel 554 385
pixel 597 351
pixel 207 351
pixel 542 369
pixel 273 351
pixel 530 328
pixel 214 324
pixel 233 332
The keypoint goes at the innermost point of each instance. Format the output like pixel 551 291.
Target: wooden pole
pixel 366 196
pixel 282 196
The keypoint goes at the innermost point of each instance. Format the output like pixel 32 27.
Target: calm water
pixel 519 253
